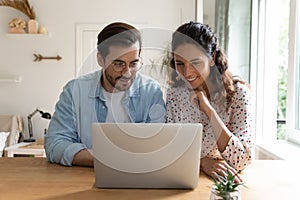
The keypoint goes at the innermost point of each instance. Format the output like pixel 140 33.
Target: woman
pixel 204 91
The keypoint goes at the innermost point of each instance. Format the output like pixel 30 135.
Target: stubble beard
pixel 118 86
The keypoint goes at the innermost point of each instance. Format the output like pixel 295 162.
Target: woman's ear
pixel 100 60
pixel 211 63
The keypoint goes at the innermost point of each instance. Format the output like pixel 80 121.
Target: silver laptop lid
pixel 143 155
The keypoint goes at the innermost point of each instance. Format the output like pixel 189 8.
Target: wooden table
pixel 35 178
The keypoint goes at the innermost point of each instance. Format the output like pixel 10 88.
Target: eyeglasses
pixel 119 66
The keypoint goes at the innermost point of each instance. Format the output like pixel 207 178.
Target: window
pixel 274 64
pixel 275 75
pixel 269 63
pixel 293 104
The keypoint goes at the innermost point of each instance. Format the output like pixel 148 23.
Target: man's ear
pixel 100 60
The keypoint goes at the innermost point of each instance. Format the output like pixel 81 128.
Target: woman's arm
pixel 221 132
pixel 234 140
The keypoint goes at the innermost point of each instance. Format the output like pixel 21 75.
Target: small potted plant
pixel 225 187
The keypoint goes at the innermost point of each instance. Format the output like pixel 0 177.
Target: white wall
pixel 43 81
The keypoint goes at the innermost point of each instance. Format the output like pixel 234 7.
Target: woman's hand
pixel 199 98
pixel 212 167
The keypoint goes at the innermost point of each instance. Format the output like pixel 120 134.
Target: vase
pixel 215 195
pixel 33 26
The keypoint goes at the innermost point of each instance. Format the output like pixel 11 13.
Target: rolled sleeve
pixel 238 154
pixel 62 152
pixel 240 149
pixel 70 152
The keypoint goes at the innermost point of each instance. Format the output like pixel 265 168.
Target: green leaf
pixel 225 184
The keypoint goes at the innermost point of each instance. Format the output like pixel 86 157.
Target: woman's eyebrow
pixel 195 60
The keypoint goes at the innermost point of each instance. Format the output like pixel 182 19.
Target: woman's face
pixel 192 65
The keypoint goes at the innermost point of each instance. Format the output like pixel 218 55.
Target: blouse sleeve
pixel 170 105
pixel 239 151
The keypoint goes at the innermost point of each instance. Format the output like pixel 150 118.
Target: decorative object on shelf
pixel 17 25
pixel 20 5
pixel 30 130
pixel 24 7
pixel 33 26
pixel 39 57
pixel 225 187
pixel 43 30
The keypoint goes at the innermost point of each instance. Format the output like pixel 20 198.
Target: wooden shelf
pixel 27 35
pixel 14 79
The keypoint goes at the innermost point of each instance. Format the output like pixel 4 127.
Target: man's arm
pixel 61 141
pixel 83 158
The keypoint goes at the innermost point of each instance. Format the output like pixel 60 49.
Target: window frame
pixel 260 78
pixel 293 100
pixel 263 80
pixel 261 74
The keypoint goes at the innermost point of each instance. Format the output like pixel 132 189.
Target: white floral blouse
pixel 238 119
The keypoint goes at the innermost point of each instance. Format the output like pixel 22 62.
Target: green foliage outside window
pixel 282 78
pixel 281 97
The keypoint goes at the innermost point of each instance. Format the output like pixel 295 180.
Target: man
pixel 117 93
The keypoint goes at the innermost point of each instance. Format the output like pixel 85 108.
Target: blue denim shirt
pixel 82 102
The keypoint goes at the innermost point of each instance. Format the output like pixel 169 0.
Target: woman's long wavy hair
pixel 220 79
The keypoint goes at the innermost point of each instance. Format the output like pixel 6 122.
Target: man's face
pixel 116 79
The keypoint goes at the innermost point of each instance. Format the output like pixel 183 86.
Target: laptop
pixel 146 155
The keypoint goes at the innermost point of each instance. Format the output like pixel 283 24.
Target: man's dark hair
pixel 117 34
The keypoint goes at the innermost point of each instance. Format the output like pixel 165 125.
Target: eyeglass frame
pixel 124 64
